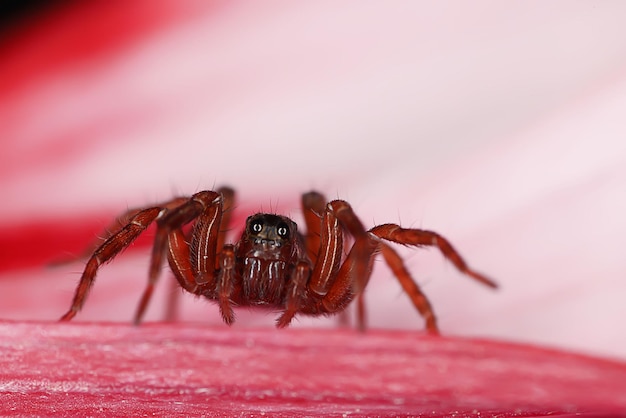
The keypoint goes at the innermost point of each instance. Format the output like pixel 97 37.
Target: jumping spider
pixel 273 265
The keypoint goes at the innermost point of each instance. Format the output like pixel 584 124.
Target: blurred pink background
pixel 499 125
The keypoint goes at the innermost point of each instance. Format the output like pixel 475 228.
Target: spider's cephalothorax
pixel 268 237
pixel 268 251
pixel 272 264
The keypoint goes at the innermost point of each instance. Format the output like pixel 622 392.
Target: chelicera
pixel 273 265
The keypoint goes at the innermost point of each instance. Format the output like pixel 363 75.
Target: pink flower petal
pixel 186 370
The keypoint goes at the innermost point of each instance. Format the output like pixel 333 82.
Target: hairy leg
pixel 225 284
pixel 228 196
pixel 295 293
pixel 313 207
pixel 110 248
pixel 329 255
pixel 205 208
pixel 179 258
pixel 410 287
pixel 333 283
pixel 419 237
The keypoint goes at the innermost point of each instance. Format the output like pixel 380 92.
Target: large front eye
pixel 256 226
pixel 283 230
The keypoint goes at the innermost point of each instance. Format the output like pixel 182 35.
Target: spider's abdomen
pixel 263 281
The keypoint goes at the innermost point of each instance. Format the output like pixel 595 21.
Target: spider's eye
pixel 282 230
pixel 256 227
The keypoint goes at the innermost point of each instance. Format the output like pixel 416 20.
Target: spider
pixel 273 265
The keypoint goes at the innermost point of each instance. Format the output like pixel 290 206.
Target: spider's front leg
pixel 313 207
pixel 179 255
pixel 192 268
pixel 199 267
pixel 295 293
pixel 341 283
pixel 332 285
pixel 353 275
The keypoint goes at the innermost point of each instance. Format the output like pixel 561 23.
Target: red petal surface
pixel 181 370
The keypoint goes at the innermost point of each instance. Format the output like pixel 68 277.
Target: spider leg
pixel 338 215
pixel 329 254
pixel 111 229
pixel 206 209
pixel 204 240
pixel 341 293
pixel 172 302
pixel 336 283
pixel 294 294
pixel 179 256
pixel 125 217
pixel 313 206
pixel 178 260
pixel 421 303
pixel 225 283
pixel 115 244
pixel 363 248
pixel 225 262
pixel 419 237
pixel 357 267
pixel 361 314
pixel 203 206
pixel 228 196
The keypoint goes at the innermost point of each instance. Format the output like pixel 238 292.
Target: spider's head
pixel 268 235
